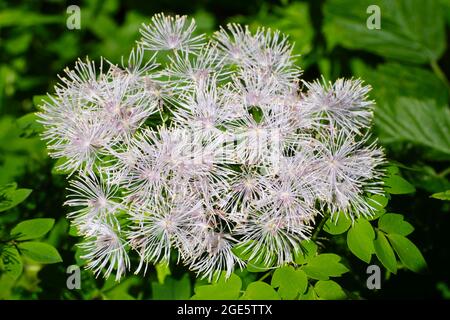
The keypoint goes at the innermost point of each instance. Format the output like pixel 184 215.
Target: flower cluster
pixel 201 149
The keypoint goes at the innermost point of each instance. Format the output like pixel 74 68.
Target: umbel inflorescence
pixel 194 148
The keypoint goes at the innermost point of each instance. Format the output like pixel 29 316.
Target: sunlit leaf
pixel 329 290
pixel 324 266
pixel 410 30
pixel 408 252
pixel 360 239
pixel 290 282
pixel 40 252
pixel 260 291
pixel 445 195
pixel 10 196
pixel 11 262
pixel 172 289
pixel 395 223
pixel 384 252
pixel 32 229
pixel 223 289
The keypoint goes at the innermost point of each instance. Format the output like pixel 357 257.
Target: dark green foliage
pixel 407 64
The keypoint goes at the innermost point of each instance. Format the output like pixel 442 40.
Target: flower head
pixel 170 33
pixel 343 103
pixel 105 250
pixel 212 154
pixel 349 172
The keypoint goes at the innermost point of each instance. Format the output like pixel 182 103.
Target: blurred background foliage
pixel 407 62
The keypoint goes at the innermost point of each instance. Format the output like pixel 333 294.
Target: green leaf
pixel 446 8
pixel 39 100
pixel 329 290
pixel 80 254
pixel 391 170
pixel 395 184
pixel 246 276
pixel 408 253
pixel 11 262
pixel 257 263
pixel 292 19
pixel 204 20
pixel 32 229
pixel 29 126
pixel 19 44
pixel 442 195
pixel 58 167
pixel 389 79
pixel 172 289
pixel 410 30
pixel 420 122
pixel 360 240
pixel 308 251
pixel 384 252
pixel 58 235
pixel 162 271
pixel 40 252
pixel 337 225
pixel 73 231
pixel 394 223
pixel 412 117
pixel 310 294
pixel 259 290
pixel 23 18
pixel 19 156
pixel 376 215
pixel 325 265
pixel 119 291
pixel 378 202
pixel 428 179
pixel 10 196
pixel 223 289
pixel 444 289
pixel 290 282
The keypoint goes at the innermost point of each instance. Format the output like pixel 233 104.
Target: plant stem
pixel 319 227
pixel 268 273
pixel 439 73
pixel 445 172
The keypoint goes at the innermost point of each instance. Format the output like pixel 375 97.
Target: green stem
pixel 439 73
pixel 319 227
pixel 445 172
pixel 268 273
pixel 102 292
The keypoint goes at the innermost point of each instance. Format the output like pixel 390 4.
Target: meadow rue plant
pixel 194 147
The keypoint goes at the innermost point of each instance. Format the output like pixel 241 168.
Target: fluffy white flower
pixel 349 171
pixel 170 33
pixel 188 71
pixel 216 157
pixel 343 103
pixel 95 200
pixel 202 110
pixel 105 250
pixel 272 239
pixel 159 228
pixel 211 245
pixel 236 43
pixel 216 255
